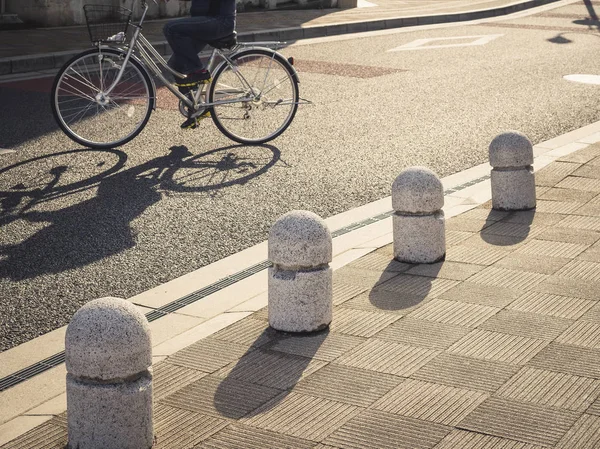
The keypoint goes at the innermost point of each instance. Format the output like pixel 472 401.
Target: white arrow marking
pixel 422 44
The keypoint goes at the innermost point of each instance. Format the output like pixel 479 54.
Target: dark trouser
pixel 188 36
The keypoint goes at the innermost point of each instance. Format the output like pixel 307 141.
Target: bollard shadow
pixel 410 286
pixel 267 373
pixel 509 228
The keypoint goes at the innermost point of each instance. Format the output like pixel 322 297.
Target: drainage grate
pixel 55 360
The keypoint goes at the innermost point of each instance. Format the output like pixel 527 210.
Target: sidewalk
pixel 497 346
pixel 31 50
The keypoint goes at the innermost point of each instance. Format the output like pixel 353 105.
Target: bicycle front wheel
pixel 259 92
pixel 91 116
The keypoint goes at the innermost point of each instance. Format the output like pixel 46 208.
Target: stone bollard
pixel 418 223
pixel 513 181
pixel 300 281
pixel 109 382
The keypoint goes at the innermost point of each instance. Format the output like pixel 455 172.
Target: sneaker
pixel 193 80
pixel 193 122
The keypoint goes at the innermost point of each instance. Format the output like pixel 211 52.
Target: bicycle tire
pixel 95 130
pixel 226 117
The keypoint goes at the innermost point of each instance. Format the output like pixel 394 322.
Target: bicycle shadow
pixel 99 227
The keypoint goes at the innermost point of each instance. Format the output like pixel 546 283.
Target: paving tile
pixel 374 429
pixel 569 235
pixel 593 314
pixel 474 255
pixel 464 224
pixel 574 360
pixel 492 243
pixel 552 249
pixel 303 416
pixel 594 409
pixel 349 385
pixel 535 264
pixel 237 436
pixel 228 398
pixel 324 345
pixel 455 237
pixel 379 262
pixel 246 332
pixel 585 434
pixel 525 324
pixel 591 254
pixel 387 251
pixel 497 346
pixel 461 439
pixel 556 207
pixel 582 333
pixel 431 402
pixel 168 378
pixel 554 173
pixel 361 278
pixel 485 295
pixel 182 429
pixel 511 229
pixel 592 209
pixel 535 218
pixel 271 369
pixel 388 357
pixel 580 269
pixel 454 312
pixel 580 222
pixel 569 287
pixel 556 194
pixel 587 184
pixel 552 389
pixel 446 270
pixel 208 355
pixel 419 286
pixel 262 314
pixel 360 322
pixel 384 301
pixel 484 214
pixel 45 436
pixel 583 156
pixel 587 171
pixel 552 305
pixel 502 277
pixel 464 372
pixel 422 333
pixel 344 292
pixel 519 421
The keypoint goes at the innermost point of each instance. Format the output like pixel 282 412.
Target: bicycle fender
pixel 276 53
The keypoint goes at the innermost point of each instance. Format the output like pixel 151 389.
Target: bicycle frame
pixel 147 52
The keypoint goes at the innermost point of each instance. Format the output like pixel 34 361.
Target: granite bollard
pixel 418 221
pixel 109 378
pixel 513 181
pixel 300 280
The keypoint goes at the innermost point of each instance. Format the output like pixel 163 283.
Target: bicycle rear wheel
pixel 261 89
pixel 89 116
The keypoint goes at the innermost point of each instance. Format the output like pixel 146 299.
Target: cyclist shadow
pixel 99 227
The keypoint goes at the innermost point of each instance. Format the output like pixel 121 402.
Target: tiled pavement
pixel 497 347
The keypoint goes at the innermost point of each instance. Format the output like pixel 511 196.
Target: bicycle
pixel 103 97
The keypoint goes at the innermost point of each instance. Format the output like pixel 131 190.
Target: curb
pixel 48 61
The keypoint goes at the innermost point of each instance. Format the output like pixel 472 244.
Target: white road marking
pixel 586 79
pixel 365 4
pixel 3 151
pixel 424 44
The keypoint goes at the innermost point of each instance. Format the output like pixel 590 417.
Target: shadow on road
pixel 99 227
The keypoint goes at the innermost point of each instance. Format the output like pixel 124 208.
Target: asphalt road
pixel 78 224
